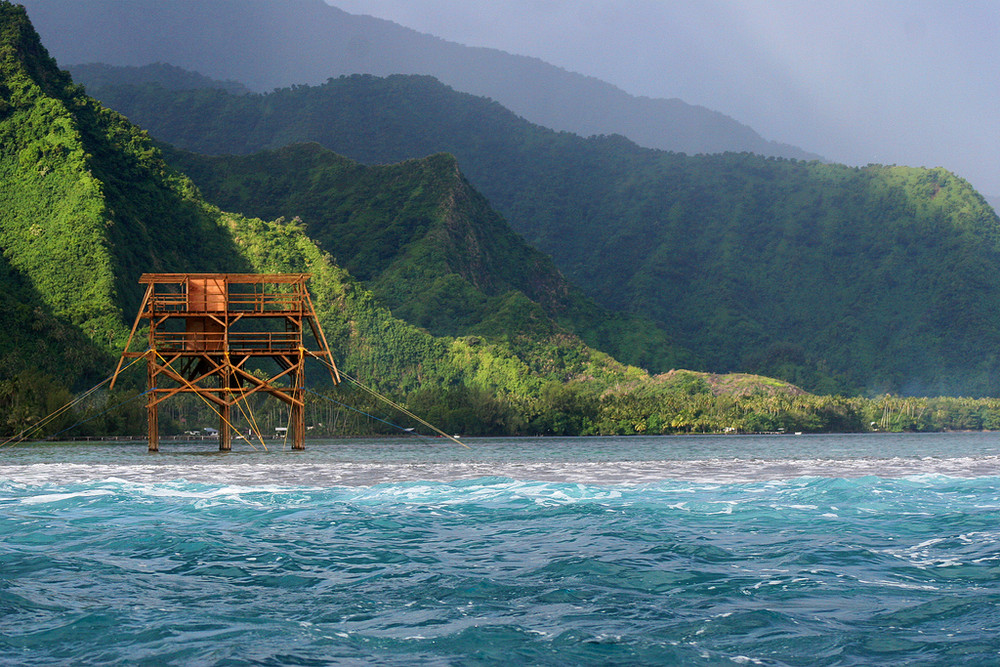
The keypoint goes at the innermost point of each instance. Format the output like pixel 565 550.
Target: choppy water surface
pixel 798 550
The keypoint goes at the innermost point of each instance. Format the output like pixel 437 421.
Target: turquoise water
pixel 785 550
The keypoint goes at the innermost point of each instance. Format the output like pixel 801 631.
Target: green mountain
pixel 268 44
pixel 838 279
pixel 993 201
pixel 426 243
pixel 163 74
pixel 87 204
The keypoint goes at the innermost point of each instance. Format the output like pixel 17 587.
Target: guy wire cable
pixel 399 407
pixel 20 437
pixel 104 412
pixel 366 414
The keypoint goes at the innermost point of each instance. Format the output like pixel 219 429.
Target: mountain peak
pixel 21 50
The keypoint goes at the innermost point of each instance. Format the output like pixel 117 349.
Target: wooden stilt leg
pixel 154 427
pixel 152 410
pixel 298 427
pixel 225 433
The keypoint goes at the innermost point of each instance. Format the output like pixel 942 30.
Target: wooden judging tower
pixel 211 334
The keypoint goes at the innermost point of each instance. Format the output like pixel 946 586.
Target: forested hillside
pixel 163 74
pixel 87 204
pixel 426 243
pixel 839 279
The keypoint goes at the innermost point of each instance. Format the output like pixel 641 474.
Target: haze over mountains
pixel 267 44
pixel 879 81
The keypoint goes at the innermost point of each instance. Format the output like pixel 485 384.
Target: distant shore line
pixel 215 438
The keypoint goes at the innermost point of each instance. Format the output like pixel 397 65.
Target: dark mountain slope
pixel 269 44
pixel 837 278
pixel 425 241
pixel 168 76
pixel 34 341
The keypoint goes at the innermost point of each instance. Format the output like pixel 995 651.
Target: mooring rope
pixel 406 412
pixel 248 415
pixel 362 412
pixel 91 418
pixel 392 403
pixel 288 428
pixel 22 436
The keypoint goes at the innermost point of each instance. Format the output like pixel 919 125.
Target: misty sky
pixel 913 82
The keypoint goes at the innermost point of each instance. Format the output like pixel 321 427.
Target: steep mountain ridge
pixel 994 202
pixel 836 278
pixel 267 44
pixel 95 191
pixel 415 231
pixel 425 241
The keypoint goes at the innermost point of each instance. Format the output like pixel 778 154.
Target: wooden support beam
pixel 131 334
pixel 191 318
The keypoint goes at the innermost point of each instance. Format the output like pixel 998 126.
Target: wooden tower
pixel 211 334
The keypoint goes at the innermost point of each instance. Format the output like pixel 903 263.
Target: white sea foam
pixel 44 498
pixel 266 473
pixel 583 461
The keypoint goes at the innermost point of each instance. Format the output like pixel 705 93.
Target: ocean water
pixel 783 550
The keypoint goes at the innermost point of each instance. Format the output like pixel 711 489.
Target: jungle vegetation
pixel 88 204
pixel 427 244
pixel 839 279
